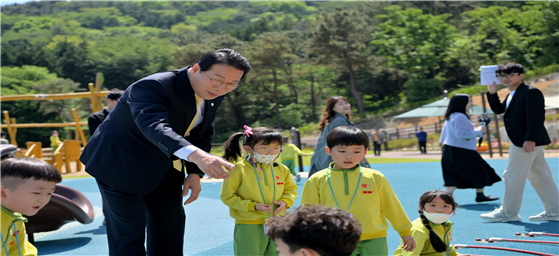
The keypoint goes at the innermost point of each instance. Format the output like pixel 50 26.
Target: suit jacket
pixel 95 119
pixel 132 150
pixel 525 116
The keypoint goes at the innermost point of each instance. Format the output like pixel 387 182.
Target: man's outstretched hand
pixel 211 165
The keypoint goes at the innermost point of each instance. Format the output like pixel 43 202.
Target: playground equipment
pixel 66 205
pixel 535 234
pixel 462 246
pixel 69 150
pixel 497 239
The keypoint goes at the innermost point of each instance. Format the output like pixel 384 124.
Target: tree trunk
pixel 237 109
pixel 313 100
pixel 276 99
pixel 289 72
pixel 354 91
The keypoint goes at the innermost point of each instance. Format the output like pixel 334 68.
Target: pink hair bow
pixel 248 131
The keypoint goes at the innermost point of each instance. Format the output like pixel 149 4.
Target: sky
pixel 13 2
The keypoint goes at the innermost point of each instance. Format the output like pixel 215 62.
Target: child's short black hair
pixel 508 68
pixel 14 171
pixel 347 136
pixel 326 230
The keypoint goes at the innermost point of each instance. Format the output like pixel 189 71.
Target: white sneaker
pixel 498 216
pixel 545 216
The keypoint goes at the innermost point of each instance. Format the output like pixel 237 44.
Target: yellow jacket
pixel 11 225
pixel 374 199
pixel 241 192
pixel 54 141
pixel 289 152
pixel 423 242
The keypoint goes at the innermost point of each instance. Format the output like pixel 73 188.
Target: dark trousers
pixel 376 148
pixel 423 146
pixel 159 215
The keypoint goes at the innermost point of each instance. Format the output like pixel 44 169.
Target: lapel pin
pixel 212 104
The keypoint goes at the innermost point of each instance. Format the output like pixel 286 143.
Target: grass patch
pixel 75 177
pixel 372 160
pixel 386 160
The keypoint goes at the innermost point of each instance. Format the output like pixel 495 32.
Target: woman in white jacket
pixel 462 165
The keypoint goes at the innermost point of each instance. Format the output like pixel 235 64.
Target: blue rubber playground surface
pixel 209 228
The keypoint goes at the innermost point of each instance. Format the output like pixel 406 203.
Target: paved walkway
pixel 438 154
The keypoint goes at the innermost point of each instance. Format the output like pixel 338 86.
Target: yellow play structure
pixel 69 150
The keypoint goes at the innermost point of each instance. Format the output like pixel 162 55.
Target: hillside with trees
pixel 385 57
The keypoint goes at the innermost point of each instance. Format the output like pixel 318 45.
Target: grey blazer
pixel 320 160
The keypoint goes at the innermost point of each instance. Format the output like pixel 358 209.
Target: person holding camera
pixel 462 165
pixel 524 116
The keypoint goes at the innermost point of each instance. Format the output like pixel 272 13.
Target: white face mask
pixel 437 218
pixel 265 159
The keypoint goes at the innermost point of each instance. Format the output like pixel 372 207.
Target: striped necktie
pixel 177 163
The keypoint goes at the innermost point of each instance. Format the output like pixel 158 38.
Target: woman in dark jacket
pixel 336 113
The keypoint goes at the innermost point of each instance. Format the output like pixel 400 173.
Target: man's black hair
pixel 115 94
pixel 224 56
pixel 347 136
pixel 508 68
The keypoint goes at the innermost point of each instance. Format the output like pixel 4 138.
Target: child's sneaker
pixel 545 216
pixel 297 177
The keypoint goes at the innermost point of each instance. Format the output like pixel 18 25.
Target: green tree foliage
pixel 416 45
pixel 380 55
pixel 339 39
pixel 125 59
pixel 38 80
pixel 270 56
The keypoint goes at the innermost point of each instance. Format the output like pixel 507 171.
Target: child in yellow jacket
pixel 258 188
pixel 363 192
pixel 27 185
pixel 54 140
pixel 287 157
pixel 432 231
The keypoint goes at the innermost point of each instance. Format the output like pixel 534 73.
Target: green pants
pixel 291 165
pixel 371 247
pixel 250 240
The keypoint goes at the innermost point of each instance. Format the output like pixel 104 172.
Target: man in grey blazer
pixel 524 117
pixel 160 128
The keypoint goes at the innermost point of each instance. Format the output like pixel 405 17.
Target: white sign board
pixel 488 75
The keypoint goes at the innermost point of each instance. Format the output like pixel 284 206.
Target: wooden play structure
pixel 69 150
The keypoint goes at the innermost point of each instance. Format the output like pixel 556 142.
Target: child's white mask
pixel 265 159
pixel 437 218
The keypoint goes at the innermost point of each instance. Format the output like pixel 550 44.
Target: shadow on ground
pixel 480 207
pixel 62 245
pixel 101 230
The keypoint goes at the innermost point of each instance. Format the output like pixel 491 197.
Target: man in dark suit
pixel 524 117
pixel 95 119
pixel 160 118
